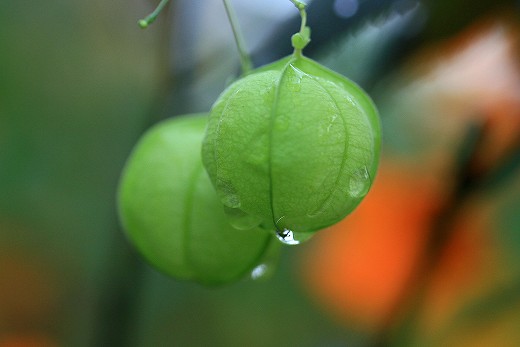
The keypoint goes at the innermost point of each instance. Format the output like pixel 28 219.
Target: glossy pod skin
pixel 292 146
pixel 171 212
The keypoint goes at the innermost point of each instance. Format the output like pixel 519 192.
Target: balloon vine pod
pixel 171 213
pixel 292 146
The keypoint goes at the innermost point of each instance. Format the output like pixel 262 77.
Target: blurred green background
pixel 80 82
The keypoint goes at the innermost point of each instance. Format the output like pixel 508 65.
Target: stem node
pixel 302 38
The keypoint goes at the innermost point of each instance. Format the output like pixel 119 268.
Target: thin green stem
pixel 302 38
pixel 301 7
pixel 145 22
pixel 245 59
pixel 303 14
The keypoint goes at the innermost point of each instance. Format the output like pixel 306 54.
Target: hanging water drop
pixel 268 263
pixel 259 271
pixel 287 237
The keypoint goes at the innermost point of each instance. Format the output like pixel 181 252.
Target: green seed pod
pixel 171 212
pixel 292 147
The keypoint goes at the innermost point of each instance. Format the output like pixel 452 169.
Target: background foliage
pixel 430 258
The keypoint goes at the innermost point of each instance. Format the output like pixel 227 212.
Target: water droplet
pixel 231 200
pixel 332 120
pixel 259 271
pixel 290 237
pixel 269 261
pixel 241 220
pixel 295 79
pixel 359 183
pixel 287 237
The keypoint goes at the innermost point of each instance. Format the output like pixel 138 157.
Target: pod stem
pixel 301 7
pixel 302 38
pixel 245 59
pixel 145 22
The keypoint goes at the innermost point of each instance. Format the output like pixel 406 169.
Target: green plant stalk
pixel 145 22
pixel 245 59
pixel 302 38
pixel 301 7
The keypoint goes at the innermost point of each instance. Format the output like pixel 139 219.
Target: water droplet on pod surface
pixel 295 80
pixel 289 237
pixel 241 220
pixel 231 201
pixel 360 182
